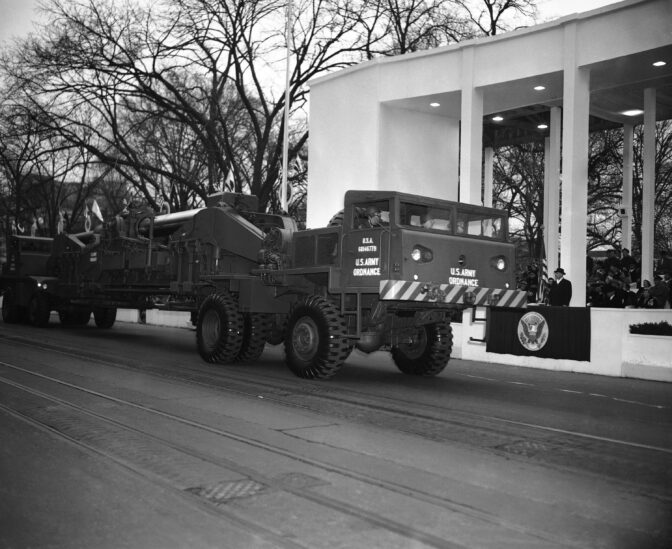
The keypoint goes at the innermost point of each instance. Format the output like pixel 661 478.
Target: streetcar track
pixel 395 406
pixel 249 526
pixel 563 450
pixel 402 529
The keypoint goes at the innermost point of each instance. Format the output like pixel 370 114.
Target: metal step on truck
pixel 385 274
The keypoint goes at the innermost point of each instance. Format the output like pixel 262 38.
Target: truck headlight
pixel 420 254
pixel 499 263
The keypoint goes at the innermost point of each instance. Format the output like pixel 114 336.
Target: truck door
pixel 366 250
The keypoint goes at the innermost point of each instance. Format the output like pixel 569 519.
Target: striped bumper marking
pixel 405 290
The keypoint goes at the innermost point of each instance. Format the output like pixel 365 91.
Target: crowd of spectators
pixel 612 282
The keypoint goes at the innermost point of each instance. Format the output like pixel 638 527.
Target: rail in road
pixel 315 464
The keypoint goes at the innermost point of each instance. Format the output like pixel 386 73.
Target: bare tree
pixel 493 16
pixel 182 98
pixel 518 188
pixel 662 216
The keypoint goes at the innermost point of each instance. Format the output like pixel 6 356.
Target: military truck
pixel 386 273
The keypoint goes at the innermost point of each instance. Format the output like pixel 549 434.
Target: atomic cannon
pixel 386 273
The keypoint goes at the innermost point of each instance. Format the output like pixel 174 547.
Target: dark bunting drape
pixel 564 331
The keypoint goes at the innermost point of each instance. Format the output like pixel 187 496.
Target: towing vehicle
pixel 385 274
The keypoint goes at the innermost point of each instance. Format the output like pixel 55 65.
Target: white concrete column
pixel 471 133
pixel 648 182
pixel 626 203
pixel 488 175
pixel 576 101
pixel 552 189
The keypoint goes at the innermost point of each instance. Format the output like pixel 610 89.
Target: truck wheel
pixel 104 316
pixel 11 312
pixel 257 326
pixel 219 331
pixel 38 310
pixel 316 345
pixel 428 353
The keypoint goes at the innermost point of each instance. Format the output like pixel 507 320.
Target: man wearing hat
pixel 561 292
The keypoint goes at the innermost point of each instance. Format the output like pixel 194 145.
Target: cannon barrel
pixel 167 223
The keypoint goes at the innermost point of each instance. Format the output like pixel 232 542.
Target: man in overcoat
pixel 561 292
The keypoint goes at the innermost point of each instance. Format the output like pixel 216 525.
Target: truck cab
pixel 387 273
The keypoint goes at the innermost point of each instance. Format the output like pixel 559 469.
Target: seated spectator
pixel 644 299
pixel 611 260
pixel 597 295
pixel 628 263
pixel 660 292
pixel 630 295
pixel 615 296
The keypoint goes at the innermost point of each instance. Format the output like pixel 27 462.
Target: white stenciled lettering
pixel 455 271
pixel 367 240
pixel 473 282
pixel 366 261
pixel 366 271
pixel 367 249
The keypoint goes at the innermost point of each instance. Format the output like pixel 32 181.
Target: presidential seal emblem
pixel 532 331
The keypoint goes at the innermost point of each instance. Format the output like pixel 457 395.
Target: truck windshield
pixel 480 224
pixel 427 217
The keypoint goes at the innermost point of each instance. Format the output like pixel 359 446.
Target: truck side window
pixel 327 249
pixel 371 215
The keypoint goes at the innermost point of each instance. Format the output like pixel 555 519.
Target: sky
pixel 16 16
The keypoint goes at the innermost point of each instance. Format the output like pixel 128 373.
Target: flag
pixel 542 270
pixel 96 210
pixel 87 218
pixel 229 183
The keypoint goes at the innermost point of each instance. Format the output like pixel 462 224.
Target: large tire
pixel 220 328
pixel 428 353
pixel 11 312
pixel 316 345
pixel 39 310
pixel 257 327
pixel 104 317
pixel 337 219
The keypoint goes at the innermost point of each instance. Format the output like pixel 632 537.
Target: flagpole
pixel 285 138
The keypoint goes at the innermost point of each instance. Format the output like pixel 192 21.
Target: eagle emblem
pixel 532 331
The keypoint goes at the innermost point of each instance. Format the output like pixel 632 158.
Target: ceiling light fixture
pixel 659 64
pixel 498 118
pixel 633 112
pixel 435 104
pixel 539 88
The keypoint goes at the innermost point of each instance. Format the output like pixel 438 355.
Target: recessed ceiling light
pixel 498 118
pixel 435 104
pixel 633 112
pixel 539 88
pixel 542 126
pixel 659 64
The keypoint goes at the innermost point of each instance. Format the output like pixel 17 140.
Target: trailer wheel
pixel 38 310
pixel 219 331
pixel 316 345
pixel 104 317
pixel 429 351
pixel 257 326
pixel 11 312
